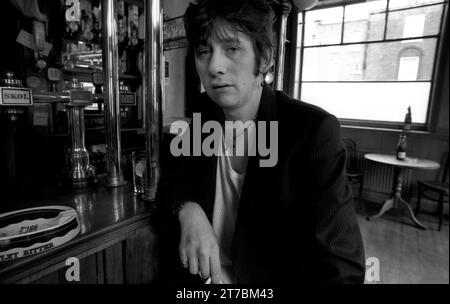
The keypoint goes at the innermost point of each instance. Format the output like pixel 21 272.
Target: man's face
pixel 226 66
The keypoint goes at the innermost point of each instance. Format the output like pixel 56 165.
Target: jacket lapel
pixel 266 112
pixel 255 177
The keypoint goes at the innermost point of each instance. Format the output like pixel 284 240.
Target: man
pixel 238 221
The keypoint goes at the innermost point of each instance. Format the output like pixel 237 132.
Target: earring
pixel 268 78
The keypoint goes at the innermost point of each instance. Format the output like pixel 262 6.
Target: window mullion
pixel 386 17
pixel 301 56
pixel 437 58
pixel 416 7
pixel 373 41
pixel 342 25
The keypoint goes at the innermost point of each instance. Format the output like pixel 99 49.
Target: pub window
pixel 367 61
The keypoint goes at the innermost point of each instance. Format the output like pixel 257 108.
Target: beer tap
pixel 78 172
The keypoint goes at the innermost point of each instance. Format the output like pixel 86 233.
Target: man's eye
pixel 232 49
pixel 202 51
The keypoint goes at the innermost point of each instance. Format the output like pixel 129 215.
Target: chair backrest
pixel 350 147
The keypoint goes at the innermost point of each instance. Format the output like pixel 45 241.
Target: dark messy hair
pixel 252 17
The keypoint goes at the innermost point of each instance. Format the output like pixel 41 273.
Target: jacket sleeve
pixel 177 183
pixel 332 223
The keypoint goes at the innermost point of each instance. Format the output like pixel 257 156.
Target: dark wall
pixel 18 58
pixel 10 23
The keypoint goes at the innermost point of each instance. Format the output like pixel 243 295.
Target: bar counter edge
pixel 118 241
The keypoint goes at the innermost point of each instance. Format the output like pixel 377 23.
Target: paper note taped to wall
pixel 26 39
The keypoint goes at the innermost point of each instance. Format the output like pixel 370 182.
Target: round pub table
pixel 399 167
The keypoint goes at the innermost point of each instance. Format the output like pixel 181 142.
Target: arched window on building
pixel 409 63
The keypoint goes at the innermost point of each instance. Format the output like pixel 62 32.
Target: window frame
pixel 435 81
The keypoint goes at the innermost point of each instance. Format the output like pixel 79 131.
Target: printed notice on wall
pixel 26 39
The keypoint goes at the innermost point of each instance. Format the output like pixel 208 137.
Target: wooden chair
pixel 354 175
pixel 436 191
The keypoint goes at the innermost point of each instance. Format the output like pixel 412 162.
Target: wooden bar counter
pixel 117 242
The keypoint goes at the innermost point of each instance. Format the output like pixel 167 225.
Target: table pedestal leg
pixel 387 205
pixel 396 197
pixel 411 214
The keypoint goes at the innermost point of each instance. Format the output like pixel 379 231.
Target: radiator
pixel 379 177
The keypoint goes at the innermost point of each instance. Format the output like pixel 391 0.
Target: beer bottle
pixel 401 147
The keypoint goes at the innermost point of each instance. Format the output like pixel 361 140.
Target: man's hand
pixel 198 245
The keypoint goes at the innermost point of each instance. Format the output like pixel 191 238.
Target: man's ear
pixel 266 61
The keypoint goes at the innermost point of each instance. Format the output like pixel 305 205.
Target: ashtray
pixel 31 231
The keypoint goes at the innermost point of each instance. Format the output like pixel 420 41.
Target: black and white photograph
pixel 224 150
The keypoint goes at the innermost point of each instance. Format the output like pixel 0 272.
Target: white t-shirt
pixel 228 192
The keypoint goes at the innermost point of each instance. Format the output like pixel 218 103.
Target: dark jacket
pixel 296 221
